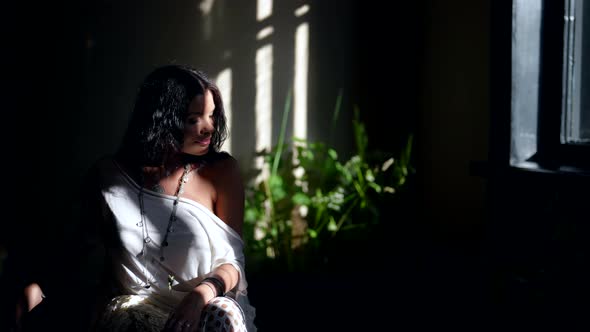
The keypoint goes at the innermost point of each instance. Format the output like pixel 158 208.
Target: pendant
pixel 158 188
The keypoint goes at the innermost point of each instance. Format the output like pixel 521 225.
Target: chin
pixel 196 152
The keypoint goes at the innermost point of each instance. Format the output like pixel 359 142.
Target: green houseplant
pixel 304 195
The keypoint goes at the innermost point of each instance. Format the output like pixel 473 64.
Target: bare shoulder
pixel 229 190
pixel 225 167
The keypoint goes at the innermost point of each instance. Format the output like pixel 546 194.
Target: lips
pixel 204 142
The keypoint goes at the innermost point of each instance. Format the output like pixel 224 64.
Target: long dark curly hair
pixel 156 126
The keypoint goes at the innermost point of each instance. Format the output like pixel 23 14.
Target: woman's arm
pixel 229 207
pixel 187 314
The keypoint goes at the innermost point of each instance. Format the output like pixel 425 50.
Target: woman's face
pixel 199 124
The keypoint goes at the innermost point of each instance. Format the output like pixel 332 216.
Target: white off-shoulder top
pixel 199 243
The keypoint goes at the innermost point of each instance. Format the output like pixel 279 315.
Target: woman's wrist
pixel 205 291
pixel 217 283
pixel 210 287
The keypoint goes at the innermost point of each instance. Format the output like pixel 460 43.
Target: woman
pixel 171 213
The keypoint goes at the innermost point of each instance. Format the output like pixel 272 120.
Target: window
pixel 550 85
pixel 576 114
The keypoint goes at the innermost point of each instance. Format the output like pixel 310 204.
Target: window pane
pixel 526 43
pixel 576 118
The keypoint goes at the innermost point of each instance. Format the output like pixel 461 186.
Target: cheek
pixel 190 130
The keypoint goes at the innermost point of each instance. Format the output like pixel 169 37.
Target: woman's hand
pixel 187 315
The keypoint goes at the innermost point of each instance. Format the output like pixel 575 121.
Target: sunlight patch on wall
pixel 263 9
pixel 263 103
pixel 301 10
pixel 264 33
pixel 300 81
pixel 205 7
pixel 224 83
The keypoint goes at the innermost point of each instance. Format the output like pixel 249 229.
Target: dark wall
pixel 436 87
pixel 42 97
pixel 424 70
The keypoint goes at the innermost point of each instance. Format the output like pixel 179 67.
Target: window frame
pixel 551 155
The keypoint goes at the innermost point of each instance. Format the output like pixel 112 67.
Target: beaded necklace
pixel 171 221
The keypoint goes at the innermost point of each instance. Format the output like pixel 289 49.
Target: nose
pixel 207 128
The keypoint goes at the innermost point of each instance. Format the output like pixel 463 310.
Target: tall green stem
pixel 279 152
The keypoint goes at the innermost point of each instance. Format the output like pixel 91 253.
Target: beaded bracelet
pixel 218 284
